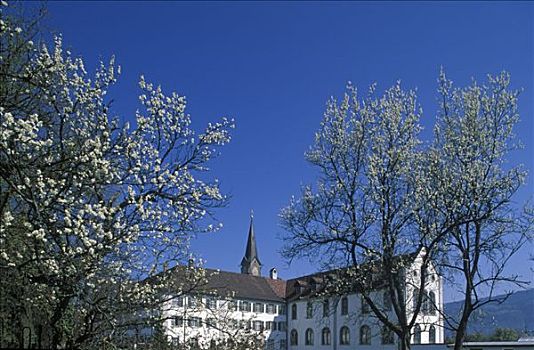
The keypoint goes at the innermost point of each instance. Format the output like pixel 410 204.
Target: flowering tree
pixel 471 186
pixel 91 205
pixel 382 196
pixel 361 215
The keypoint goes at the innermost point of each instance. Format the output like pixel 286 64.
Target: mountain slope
pixel 516 312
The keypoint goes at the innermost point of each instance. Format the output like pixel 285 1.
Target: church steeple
pixel 251 264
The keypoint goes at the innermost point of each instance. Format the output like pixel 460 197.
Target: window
pixel 344 336
pixel 232 305
pixel 271 309
pixel 309 309
pixel 344 306
pixel 282 309
pixel 192 301
pixel 244 306
pixel 294 311
pixel 387 335
pixel 211 322
pixel 282 327
pixel 259 307
pixel 245 324
pixel 313 286
pixel 432 303
pixel 386 300
pixel 415 297
pixel 432 335
pixel 417 335
pixel 365 335
pixel 234 323
pixel 326 307
pixel 294 337
pixel 211 303
pixel 298 287
pixel 309 337
pixel 257 325
pixel 426 304
pixel 178 321
pixel 268 325
pixel 283 344
pixel 178 301
pixel 270 344
pixel 365 306
pixel 325 336
pixel 194 322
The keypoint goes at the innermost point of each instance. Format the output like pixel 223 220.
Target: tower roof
pixel 251 252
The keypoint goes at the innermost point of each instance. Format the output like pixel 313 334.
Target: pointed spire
pixel 251 263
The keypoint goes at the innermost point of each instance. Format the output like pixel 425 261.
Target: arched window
pixel 344 306
pixel 294 337
pixel 309 309
pixel 415 297
pixel 417 335
pixel 294 311
pixel 387 335
pixel 432 302
pixel 326 307
pixel 309 337
pixel 365 335
pixel 426 304
pixel 325 336
pixel 432 335
pixel 344 335
pixel 365 306
pixel 386 300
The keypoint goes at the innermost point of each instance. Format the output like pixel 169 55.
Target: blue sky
pixel 273 65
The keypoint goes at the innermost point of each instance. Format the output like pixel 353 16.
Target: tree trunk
pixel 405 342
pixel 462 324
pixel 54 320
pixel 459 338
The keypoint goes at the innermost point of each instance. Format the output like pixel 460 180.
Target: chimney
pixel 273 273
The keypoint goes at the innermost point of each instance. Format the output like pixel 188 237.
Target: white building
pixel 294 314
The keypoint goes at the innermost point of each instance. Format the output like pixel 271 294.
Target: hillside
pixel 516 312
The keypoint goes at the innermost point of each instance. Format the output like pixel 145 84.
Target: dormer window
pixel 298 287
pixel 313 286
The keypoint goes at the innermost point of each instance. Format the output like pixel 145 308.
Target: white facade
pixel 292 315
pixel 206 319
pixel 298 323
pixel 347 322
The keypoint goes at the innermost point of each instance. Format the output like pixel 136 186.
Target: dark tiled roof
pixel 245 286
pixel 238 285
pixel 318 283
pixel 279 287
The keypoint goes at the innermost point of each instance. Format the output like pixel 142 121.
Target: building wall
pixel 227 318
pixel 223 321
pixel 355 318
